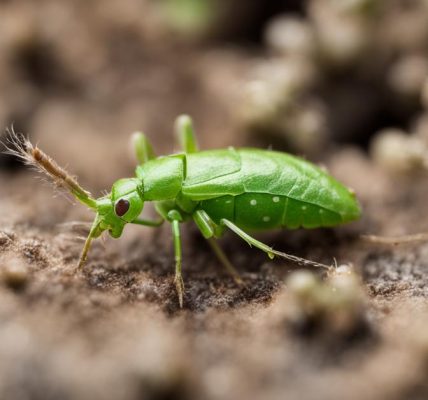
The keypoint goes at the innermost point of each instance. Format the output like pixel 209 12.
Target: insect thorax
pixel 162 178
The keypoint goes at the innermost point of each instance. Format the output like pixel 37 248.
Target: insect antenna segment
pixel 19 146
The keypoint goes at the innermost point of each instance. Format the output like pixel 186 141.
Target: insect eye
pixel 121 208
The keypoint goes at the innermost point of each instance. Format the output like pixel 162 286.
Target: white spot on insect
pixel 266 219
pixel 323 168
pixel 304 208
pixel 253 202
pixel 352 191
pixel 228 201
pixel 275 199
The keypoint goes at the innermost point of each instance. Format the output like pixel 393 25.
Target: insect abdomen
pixel 266 189
pixel 266 211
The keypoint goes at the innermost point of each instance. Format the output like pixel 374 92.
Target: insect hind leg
pixel 269 250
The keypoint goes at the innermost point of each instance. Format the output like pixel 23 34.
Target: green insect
pixel 239 189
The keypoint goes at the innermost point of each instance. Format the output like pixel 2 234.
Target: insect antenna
pixel 19 146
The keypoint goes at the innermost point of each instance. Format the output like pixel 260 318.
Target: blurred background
pixel 297 75
pixel 343 83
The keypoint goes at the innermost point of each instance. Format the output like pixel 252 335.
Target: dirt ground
pixel 114 330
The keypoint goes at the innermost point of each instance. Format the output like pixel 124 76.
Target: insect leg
pixel 94 233
pixel 208 229
pixel 146 222
pixel 85 251
pixel 142 147
pixel 175 219
pixel 186 134
pixel 221 255
pixel 269 250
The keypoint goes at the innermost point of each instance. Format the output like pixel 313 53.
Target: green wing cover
pixel 217 173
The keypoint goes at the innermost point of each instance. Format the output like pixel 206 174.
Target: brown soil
pixel 115 331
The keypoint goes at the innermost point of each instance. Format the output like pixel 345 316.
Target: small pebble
pixel 14 274
pixel 398 152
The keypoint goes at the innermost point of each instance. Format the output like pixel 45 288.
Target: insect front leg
pixel 186 134
pixel 210 230
pixel 94 233
pixel 142 147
